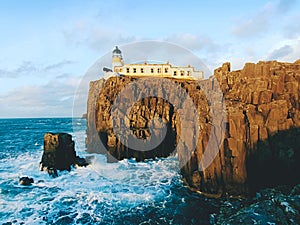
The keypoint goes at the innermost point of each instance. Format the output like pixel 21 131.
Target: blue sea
pixel 127 192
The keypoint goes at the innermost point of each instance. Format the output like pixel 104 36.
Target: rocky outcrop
pixel 262 138
pixel 26 181
pixel 59 153
pixel 256 143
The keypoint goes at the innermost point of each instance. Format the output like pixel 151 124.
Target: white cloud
pixel 52 99
pixel 261 21
pixel 292 29
pixel 254 24
pixel 58 65
pixel 193 42
pixel 27 68
pixel 23 69
pixel 96 37
pixel 287 50
pixel 281 52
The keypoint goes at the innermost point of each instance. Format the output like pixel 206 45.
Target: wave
pixel 126 192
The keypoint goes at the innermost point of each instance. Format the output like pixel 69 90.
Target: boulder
pixel 26 181
pixel 80 162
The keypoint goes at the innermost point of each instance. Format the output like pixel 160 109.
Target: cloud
pixel 23 69
pixel 6 73
pixel 281 52
pixel 30 68
pixel 285 5
pixel 254 24
pixel 58 65
pixel 52 99
pixel 292 29
pixel 193 42
pixel 63 76
pixel 262 20
pixel 95 37
pixel 287 50
pixel 105 39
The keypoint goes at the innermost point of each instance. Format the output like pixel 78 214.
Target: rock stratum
pixel 249 119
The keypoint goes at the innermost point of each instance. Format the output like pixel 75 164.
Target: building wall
pixel 160 70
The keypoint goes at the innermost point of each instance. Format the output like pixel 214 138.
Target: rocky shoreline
pixel 260 145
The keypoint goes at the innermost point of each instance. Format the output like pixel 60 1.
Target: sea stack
pixel 59 153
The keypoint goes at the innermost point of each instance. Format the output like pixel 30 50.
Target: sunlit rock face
pixel 256 142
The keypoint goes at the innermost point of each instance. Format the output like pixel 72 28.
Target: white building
pixel 147 69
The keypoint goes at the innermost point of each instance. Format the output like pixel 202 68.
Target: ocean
pixel 127 192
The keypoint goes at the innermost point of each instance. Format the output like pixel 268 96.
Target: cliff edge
pixel 248 118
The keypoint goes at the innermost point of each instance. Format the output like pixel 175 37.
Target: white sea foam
pixel 101 193
pixel 101 185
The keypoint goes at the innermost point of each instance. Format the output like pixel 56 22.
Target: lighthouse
pixel 146 69
pixel 117 59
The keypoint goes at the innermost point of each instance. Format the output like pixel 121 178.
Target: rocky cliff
pixel 239 133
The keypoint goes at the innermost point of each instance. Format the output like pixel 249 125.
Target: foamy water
pixel 126 192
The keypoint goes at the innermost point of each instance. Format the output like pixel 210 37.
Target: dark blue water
pixel 126 192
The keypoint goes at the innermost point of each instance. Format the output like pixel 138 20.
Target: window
pixel 134 70
pixel 189 73
pixel 127 70
pixel 158 70
pixel 142 70
pixel 182 73
pixel 175 73
pixel 152 70
pixel 121 70
pixel 166 70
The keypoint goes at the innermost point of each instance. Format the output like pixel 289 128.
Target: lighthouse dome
pixel 117 50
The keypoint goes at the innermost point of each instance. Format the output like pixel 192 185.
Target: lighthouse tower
pixel 117 59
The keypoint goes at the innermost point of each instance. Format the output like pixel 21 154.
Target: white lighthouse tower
pixel 117 59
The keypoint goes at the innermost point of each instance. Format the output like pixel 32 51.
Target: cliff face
pixel 92 141
pixel 252 130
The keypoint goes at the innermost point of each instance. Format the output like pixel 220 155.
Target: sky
pixel 47 47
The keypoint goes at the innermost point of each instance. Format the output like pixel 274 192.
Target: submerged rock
pixel 26 181
pixel 271 206
pixel 59 153
pixel 80 162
